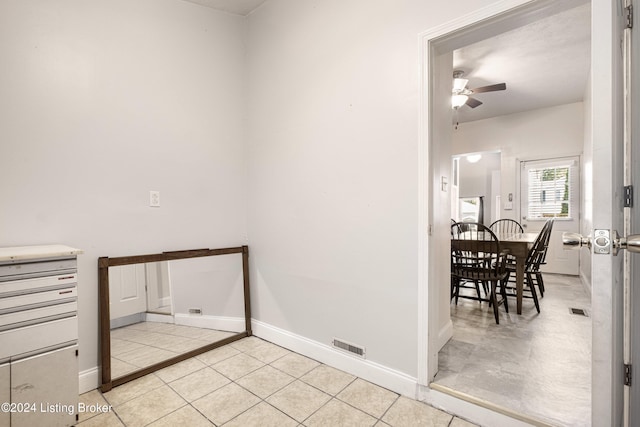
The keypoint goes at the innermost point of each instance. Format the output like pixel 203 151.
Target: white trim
pixel 474 410
pixel 232 324
pixel 424 218
pixel 88 380
pixel 586 283
pixel 158 318
pixel 325 353
pixel 445 334
pixel 427 299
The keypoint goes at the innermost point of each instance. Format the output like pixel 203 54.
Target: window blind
pixel 552 187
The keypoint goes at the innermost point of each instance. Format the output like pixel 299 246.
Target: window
pixel 551 187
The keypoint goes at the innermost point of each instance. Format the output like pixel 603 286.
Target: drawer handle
pixel 65 277
pixel 65 292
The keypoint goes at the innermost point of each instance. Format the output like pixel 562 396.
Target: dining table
pixel 518 245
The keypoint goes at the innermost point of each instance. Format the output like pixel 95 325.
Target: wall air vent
pixel 350 348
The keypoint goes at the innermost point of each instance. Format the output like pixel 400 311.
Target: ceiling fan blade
pixel 473 103
pixel 490 88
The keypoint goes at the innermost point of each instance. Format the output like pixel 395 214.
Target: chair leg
pixel 503 292
pixel 478 291
pixel 534 294
pixel 455 288
pixel 540 283
pixel 485 286
pixel 494 301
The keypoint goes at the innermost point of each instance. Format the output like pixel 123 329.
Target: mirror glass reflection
pixel 159 310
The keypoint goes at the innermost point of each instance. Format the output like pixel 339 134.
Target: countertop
pixel 36 252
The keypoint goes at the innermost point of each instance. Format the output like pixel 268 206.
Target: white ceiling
pixel 544 63
pixel 237 7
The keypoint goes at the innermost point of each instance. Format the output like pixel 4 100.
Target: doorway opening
pixel 510 133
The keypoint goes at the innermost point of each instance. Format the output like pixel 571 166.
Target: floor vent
pixel 579 312
pixel 356 350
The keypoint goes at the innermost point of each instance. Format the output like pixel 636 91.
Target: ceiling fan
pixel 461 95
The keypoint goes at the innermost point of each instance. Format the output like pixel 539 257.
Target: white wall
pixel 150 95
pixel 333 173
pixel 213 284
pixel 101 102
pixel 544 133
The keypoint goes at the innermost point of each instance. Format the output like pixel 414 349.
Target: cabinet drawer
pixel 31 338
pixel 28 301
pixel 17 271
pixel 28 317
pixel 26 286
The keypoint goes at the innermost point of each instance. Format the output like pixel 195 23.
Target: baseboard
pixel 445 334
pixel 371 371
pixel 89 380
pixel 586 283
pixel 158 318
pixel 131 319
pixel 231 324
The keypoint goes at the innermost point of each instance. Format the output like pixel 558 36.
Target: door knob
pixel 575 241
pixel 630 243
pixel 603 243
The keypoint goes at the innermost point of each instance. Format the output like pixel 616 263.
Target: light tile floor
pixel 252 382
pixel 143 344
pixel 535 364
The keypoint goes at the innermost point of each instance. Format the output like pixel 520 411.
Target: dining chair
pixel 506 226
pixel 476 256
pixel 532 273
pixel 546 231
pixel 459 283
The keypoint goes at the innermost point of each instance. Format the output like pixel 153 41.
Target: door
pixel 632 128
pixel 550 188
pixel 127 290
pixel 158 288
pixel 604 210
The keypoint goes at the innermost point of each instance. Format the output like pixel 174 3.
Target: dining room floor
pixel 535 364
pixel 252 382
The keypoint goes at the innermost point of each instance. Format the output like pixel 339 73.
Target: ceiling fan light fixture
pixel 459 84
pixel 458 100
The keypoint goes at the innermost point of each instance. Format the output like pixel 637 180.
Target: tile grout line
pixel 247 352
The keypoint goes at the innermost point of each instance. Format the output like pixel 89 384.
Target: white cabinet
pixel 38 336
pixel 5 393
pixel 49 383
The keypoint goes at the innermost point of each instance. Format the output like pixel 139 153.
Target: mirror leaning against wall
pixel 159 309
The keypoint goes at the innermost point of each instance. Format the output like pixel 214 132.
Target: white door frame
pixel 606 129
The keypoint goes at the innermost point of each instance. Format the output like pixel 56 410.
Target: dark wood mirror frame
pixel 105 324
